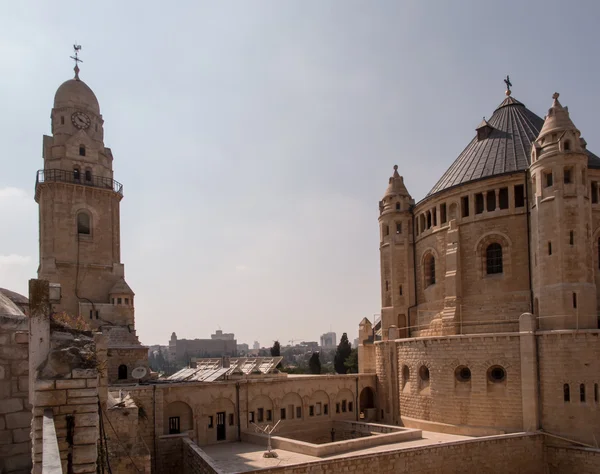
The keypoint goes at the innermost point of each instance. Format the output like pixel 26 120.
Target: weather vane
pixel 76 48
pixel 508 85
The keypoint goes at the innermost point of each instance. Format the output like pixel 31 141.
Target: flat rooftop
pixel 245 457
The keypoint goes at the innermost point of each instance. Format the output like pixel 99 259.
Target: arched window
pixel 493 258
pixel 88 175
pixel 567 145
pixel 566 393
pixel 429 269
pixel 397 206
pixel 83 223
pixel 122 372
pixel 81 150
pixel 76 174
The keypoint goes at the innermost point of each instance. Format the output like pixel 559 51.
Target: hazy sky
pixel 255 138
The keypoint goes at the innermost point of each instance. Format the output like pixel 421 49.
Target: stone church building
pixel 489 285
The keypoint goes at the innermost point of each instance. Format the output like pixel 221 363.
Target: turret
pixel 562 269
pixel 396 250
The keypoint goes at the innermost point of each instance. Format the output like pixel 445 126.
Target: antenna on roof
pixel 76 48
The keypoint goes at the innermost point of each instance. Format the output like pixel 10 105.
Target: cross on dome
pixel 76 48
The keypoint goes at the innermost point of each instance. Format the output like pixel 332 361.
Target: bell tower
pixel 396 253
pixel 563 274
pixel 79 199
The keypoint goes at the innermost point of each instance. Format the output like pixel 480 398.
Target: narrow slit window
pixel 582 393
pixel 575 300
pixel 443 217
pixel 566 393
pixel 465 206
pixel 503 198
pixel 83 223
pixel 97 314
pixel 81 150
pixel 594 192
pixel 434 214
pixel 429 219
pixel 397 206
pixel 549 248
pixel 400 290
pixel 596 392
pixel 210 421
pixel 62 119
pixel 567 176
pixel 491 201
pixel 478 203
pixel 387 230
pixel 231 419
pixel 326 409
pixel 398 227
pixel 571 238
pixel 548 179
pixel 387 285
pixel 91 314
pixel 519 195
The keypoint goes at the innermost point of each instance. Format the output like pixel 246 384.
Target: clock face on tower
pixel 80 120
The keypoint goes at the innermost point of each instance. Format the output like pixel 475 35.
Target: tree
pixel 314 363
pixel 276 349
pixel 352 362
pixel 343 352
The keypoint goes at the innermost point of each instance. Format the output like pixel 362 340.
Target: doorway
pixel 221 435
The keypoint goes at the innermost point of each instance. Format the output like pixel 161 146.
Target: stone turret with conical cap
pixel 564 289
pixel 396 241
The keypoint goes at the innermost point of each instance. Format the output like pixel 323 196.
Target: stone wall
pixel 444 397
pixel 572 460
pixel 195 461
pixel 15 411
pixel 572 358
pixel 74 402
pixel 171 455
pixel 493 455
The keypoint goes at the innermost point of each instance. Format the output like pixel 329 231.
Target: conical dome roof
pixel 396 185
pixel 504 148
pixel 557 119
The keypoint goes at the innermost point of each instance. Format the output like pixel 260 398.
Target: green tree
pixel 276 349
pixel 343 352
pixel 314 363
pixel 352 362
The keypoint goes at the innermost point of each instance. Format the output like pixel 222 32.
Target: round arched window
pixel 463 373
pixel 424 373
pixel 496 374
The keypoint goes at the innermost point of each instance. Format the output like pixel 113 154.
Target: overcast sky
pixel 255 138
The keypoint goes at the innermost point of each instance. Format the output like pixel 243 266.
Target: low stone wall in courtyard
pixel 523 453
pixel 572 460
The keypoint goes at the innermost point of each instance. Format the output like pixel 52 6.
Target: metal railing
pixel 74 177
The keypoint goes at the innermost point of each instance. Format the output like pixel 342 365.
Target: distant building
pixel 217 346
pixel 328 340
pixel 256 346
pixel 243 349
pixel 222 336
pixel 355 344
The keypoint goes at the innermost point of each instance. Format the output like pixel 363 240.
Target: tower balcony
pixel 78 178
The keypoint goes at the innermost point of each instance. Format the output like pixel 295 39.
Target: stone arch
pixel 481 247
pixel 122 372
pixel 453 210
pixel 291 402
pixel 262 407
pixel 178 417
pixel 84 222
pixel 429 270
pixel 344 403
pixel 316 398
pixel 366 399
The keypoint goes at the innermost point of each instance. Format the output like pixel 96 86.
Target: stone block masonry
pixel 75 417
pixel 572 460
pixel 522 453
pixel 15 411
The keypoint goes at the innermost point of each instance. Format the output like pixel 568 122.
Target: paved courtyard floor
pixel 244 457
